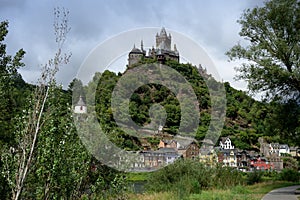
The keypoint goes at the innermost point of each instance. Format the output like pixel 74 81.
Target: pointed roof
pixel 80 102
pixel 163 31
pixel 135 50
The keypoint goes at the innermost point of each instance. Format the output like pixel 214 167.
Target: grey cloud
pixel 211 24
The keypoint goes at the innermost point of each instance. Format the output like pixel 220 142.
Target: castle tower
pixel 135 55
pixel 163 41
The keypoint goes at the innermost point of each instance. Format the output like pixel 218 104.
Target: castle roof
pixel 136 50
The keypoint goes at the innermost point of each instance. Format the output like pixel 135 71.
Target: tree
pixel 76 88
pixel 62 161
pixel 19 160
pixel 8 78
pixel 273 49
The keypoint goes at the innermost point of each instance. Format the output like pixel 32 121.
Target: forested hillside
pixel 246 118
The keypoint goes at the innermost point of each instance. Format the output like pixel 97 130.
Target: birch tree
pixel 19 159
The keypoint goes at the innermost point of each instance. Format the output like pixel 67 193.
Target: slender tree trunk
pixel 23 175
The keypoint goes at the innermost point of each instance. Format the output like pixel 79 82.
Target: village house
pixel 207 154
pixel 168 144
pixel 159 158
pixel 284 149
pixel 226 153
pixel 208 158
pixel 243 160
pixel 190 150
pixel 227 157
pixel 260 163
pixel 274 149
pixel 276 162
pixel 295 152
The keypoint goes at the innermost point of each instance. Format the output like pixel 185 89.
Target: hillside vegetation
pixel 246 119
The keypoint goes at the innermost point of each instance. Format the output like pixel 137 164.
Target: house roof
pixel 166 150
pixel 136 50
pixel 168 141
pixel 207 141
pixel 284 146
pixel 228 151
pixel 80 102
pixel 275 145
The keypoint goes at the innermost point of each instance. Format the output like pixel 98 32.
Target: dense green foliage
pixel 187 177
pixel 254 177
pixel 246 118
pixel 289 175
pixel 12 87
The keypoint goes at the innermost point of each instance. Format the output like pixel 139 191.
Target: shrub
pixel 225 177
pixel 254 177
pixel 289 175
pixel 185 177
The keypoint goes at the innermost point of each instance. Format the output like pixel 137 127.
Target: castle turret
pixel 142 45
pixel 135 55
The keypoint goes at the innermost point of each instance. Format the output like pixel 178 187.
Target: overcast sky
pixel 211 24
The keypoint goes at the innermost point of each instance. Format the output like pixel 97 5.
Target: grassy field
pixel 252 192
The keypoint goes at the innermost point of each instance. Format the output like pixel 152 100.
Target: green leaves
pixel 10 90
pixel 273 51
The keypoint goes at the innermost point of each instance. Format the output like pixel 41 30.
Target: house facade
pixel 159 158
pixel 209 158
pixel 284 149
pixel 227 157
pixel 189 151
pixel 243 160
pixel 261 163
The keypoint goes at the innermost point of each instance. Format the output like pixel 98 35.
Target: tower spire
pixel 142 45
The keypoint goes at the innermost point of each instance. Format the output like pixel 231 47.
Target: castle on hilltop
pixel 161 53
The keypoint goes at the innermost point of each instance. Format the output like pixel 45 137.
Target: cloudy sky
pixel 211 24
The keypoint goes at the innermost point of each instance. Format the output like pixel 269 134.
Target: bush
pixel 186 177
pixel 254 177
pixel 225 177
pixel 289 175
pixel 183 176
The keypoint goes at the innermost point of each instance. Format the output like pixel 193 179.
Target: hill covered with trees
pixel 246 118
